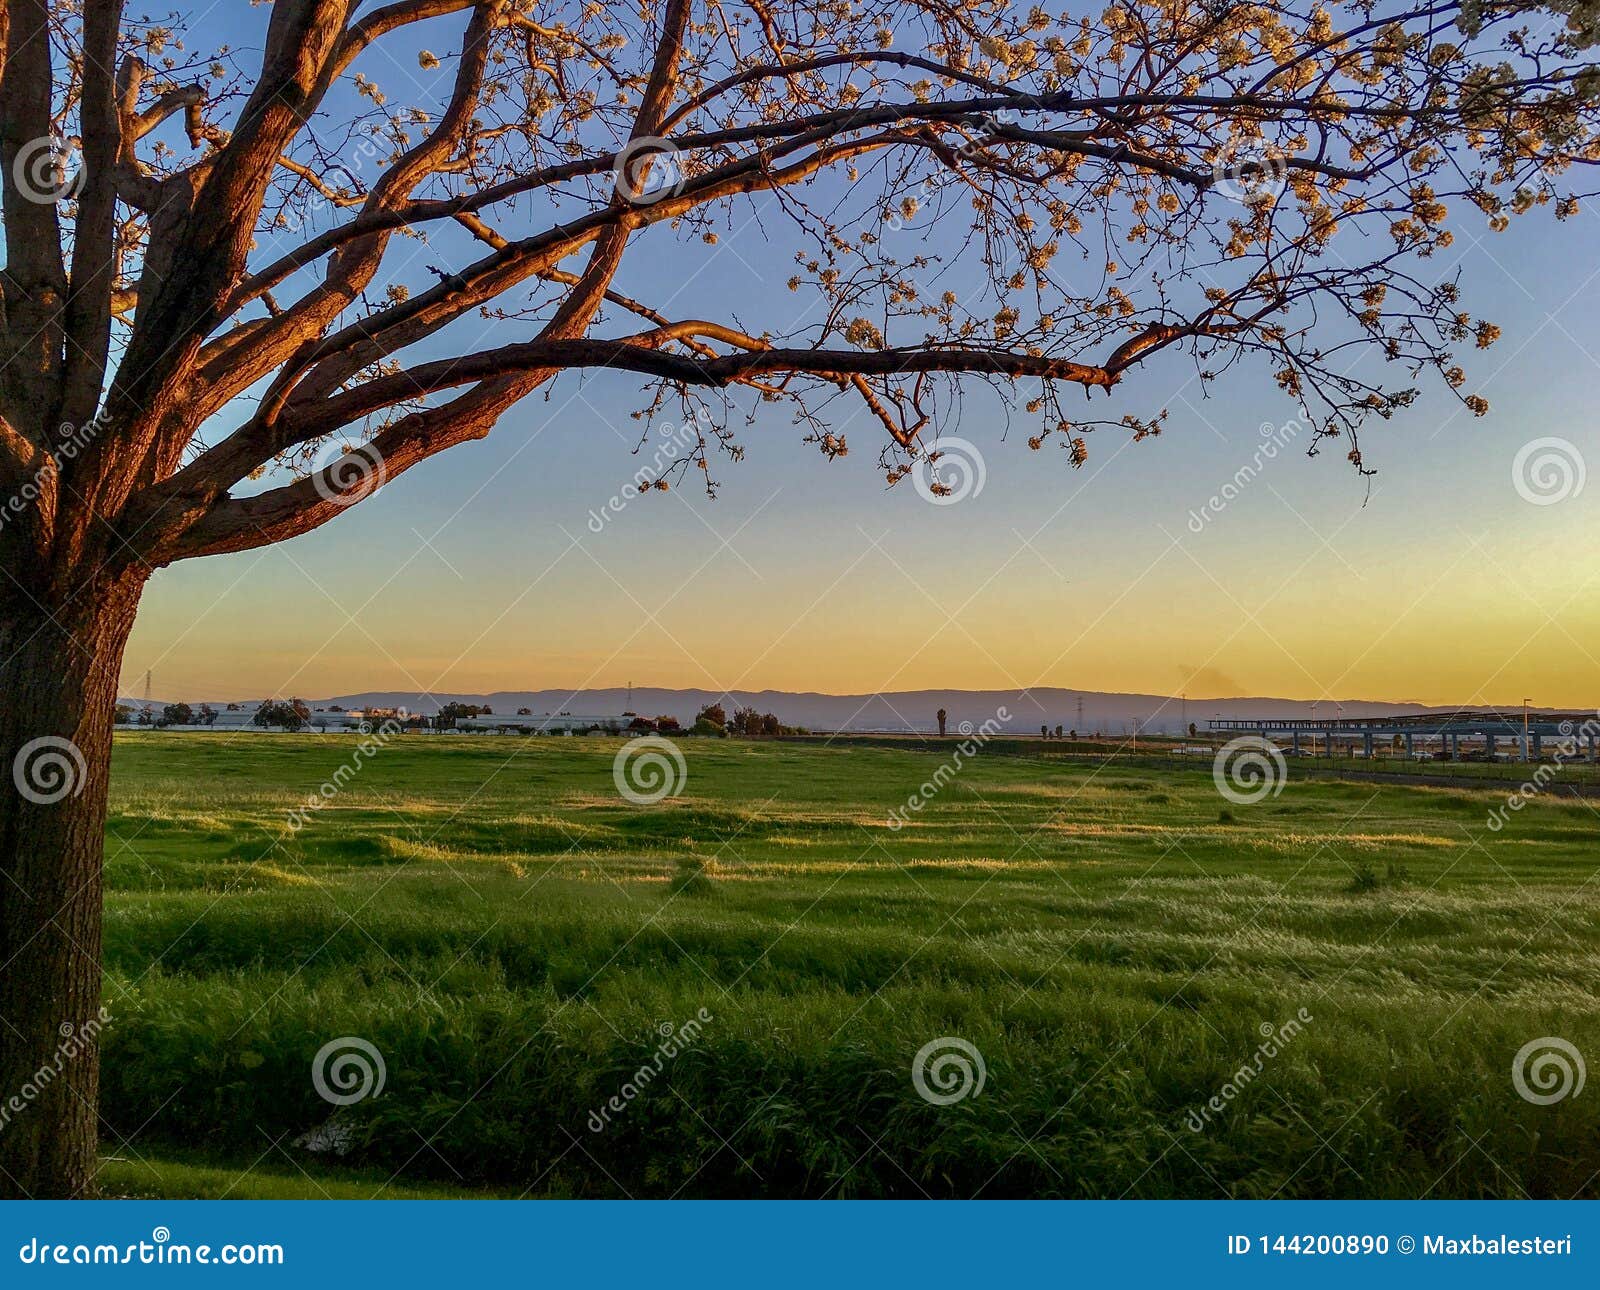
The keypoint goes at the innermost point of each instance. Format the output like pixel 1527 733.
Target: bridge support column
pixel 1488 747
pixel 1296 743
pixel 1538 745
pixel 1409 746
pixel 1367 742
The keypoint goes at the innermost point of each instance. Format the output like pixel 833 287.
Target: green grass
pixel 511 935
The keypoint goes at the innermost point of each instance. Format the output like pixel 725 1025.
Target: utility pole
pixel 1525 704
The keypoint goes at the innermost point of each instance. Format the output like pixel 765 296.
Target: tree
pixel 712 715
pixel 250 223
pixel 207 715
pixel 176 714
pixel 292 715
pixel 453 711
pixel 941 715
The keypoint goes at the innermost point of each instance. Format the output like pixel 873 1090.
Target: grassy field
pixel 514 938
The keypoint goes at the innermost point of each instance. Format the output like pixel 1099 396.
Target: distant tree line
pixel 294 714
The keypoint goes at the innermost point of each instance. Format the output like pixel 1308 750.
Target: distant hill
pixel 899 710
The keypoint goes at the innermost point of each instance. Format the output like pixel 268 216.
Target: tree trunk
pixel 59 667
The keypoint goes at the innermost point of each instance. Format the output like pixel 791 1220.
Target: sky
pixel 517 563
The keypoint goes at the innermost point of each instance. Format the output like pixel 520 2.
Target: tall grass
pixel 513 937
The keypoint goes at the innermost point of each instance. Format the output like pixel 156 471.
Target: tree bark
pixel 59 667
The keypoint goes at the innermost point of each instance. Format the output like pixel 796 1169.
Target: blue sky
pixel 480 571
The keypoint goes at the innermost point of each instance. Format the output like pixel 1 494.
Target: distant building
pixel 559 723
